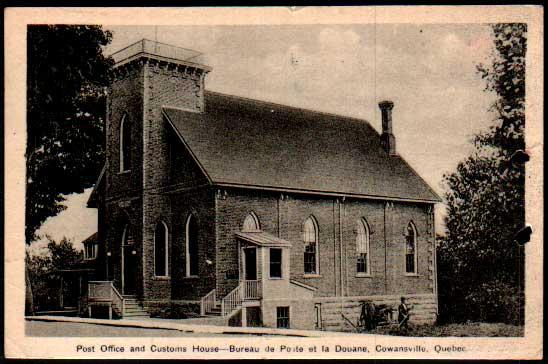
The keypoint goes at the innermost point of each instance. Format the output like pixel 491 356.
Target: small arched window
pixel 411 249
pixel 125 144
pixel 362 248
pixel 251 223
pixel 191 247
pixel 161 250
pixel 311 248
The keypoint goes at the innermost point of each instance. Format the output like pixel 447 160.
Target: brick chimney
pixel 388 140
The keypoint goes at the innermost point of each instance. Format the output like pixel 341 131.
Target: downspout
pixel 385 250
pixel 345 252
pixel 435 260
pixel 340 249
pixel 335 247
pixel 279 214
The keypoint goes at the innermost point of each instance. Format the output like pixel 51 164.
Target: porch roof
pixel 262 238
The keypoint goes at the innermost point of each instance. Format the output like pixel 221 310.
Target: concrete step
pixel 136 314
pixel 132 305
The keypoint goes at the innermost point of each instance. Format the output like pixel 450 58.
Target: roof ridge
pixel 292 107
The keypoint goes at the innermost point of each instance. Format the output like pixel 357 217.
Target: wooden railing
pixel 104 292
pixel 232 301
pixel 208 302
pixel 252 290
pixel 118 301
pixel 157 48
pixel 100 290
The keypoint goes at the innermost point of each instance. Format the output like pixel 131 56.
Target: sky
pixel 428 71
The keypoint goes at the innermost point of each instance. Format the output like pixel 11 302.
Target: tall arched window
pixel 125 144
pixel 311 251
pixel 161 250
pixel 251 223
pixel 191 247
pixel 411 249
pixel 362 248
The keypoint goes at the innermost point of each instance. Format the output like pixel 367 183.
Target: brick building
pixel 260 212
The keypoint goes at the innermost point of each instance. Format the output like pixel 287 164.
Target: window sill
pixel 162 278
pixel 87 259
pixel 411 274
pixel 191 277
pixel 314 275
pixel 124 172
pixel 364 275
pixel 276 278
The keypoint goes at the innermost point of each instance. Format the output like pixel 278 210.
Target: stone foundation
pixel 424 309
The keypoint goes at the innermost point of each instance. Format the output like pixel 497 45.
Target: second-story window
pixel 125 144
pixel 90 251
pixel 275 263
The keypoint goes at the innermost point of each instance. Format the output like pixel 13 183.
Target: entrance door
pixel 130 270
pixel 250 256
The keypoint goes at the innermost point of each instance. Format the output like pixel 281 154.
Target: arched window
pixel 251 223
pixel 411 249
pixel 362 248
pixel 191 247
pixel 125 144
pixel 311 251
pixel 161 250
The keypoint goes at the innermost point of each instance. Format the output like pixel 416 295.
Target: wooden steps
pixel 133 308
pixel 215 311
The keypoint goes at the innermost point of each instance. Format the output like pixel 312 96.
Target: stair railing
pixel 208 302
pixel 232 301
pixel 117 299
pixel 252 290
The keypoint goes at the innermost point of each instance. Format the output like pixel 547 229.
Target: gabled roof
pixel 243 142
pixel 92 239
pixel 94 197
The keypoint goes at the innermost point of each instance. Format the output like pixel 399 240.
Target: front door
pixel 130 270
pixel 250 256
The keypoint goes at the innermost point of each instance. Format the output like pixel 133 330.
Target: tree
pixel 66 78
pixel 481 265
pixel 43 273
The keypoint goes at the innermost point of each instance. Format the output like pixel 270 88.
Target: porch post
pixel 61 303
pixel 244 316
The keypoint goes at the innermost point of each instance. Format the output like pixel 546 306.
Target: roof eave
pixel 325 193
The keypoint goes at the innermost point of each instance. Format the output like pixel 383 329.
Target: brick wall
pixel 231 209
pixel 200 203
pixel 139 90
pixel 121 203
pixel 164 85
pixel 286 215
pixel 125 96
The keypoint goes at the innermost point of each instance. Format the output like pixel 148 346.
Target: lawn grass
pixel 476 329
